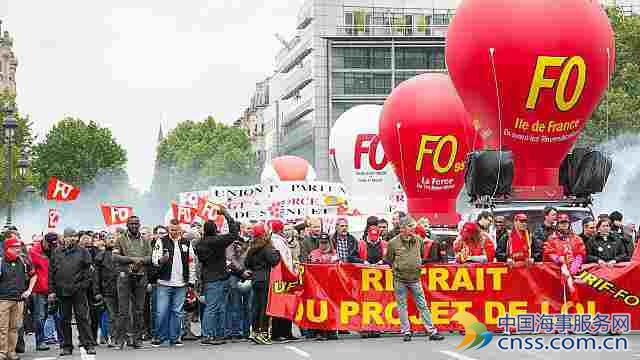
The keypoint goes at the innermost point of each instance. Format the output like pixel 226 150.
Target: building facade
pixel 253 121
pixel 345 53
pixel 8 62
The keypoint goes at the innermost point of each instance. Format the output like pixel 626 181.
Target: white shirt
pixel 177 276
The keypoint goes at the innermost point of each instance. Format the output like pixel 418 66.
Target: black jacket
pixel 260 261
pixel 105 274
pixel 540 236
pixel 212 250
pixel 611 248
pixel 69 271
pixel 352 246
pixel 14 278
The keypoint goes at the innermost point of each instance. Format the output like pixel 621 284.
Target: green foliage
pixel 196 155
pixel 77 152
pixel 23 141
pixel 622 103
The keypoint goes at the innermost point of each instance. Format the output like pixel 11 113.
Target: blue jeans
pixel 401 289
pixel 238 310
pixel 170 304
pixel 154 310
pixel 214 314
pixel 39 316
pixel 104 324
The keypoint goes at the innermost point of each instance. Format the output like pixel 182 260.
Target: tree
pixel 22 142
pixel 196 155
pixel 76 152
pixel 622 103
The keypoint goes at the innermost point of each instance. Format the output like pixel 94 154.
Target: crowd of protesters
pixel 142 284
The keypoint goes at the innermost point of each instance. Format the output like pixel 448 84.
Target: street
pixel 349 347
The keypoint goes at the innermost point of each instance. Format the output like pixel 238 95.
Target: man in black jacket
pixel 211 252
pixel 69 278
pixel 542 232
pixel 106 277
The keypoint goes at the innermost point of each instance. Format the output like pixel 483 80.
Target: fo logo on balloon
pixel 367 144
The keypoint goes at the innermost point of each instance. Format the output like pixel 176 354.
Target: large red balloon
pixel 424 132
pixel 531 72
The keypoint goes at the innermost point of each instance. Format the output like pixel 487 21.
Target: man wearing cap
pixel 404 256
pixel 515 246
pixel 69 279
pixel 618 228
pixel 131 252
pixel 17 280
pixel 566 249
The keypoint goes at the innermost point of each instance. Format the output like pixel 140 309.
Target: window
pixel 361 58
pixel 361 83
pixel 420 58
pixel 405 75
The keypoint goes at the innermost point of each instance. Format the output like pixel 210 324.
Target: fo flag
pixel 116 215
pixel 53 219
pixel 61 191
pixel 184 214
pixel 210 211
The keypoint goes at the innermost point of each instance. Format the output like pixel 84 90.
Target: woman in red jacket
pixel 473 245
pixel 40 293
pixel 567 250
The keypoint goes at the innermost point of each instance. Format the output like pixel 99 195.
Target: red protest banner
pixel 60 191
pixel 116 215
pixel 360 298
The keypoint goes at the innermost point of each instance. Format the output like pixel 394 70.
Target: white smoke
pixel 622 191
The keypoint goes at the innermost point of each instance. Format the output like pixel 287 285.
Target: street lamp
pixel 9 126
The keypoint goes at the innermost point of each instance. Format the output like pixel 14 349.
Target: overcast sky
pixel 125 63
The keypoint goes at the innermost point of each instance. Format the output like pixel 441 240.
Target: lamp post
pixel 9 127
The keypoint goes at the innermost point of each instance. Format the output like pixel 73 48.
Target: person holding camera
pixel 211 252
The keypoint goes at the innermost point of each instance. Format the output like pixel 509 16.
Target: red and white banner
pixel 116 215
pixel 361 298
pixel 184 214
pixel 61 191
pixel 53 218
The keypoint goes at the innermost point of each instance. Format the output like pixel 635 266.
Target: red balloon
pixel 531 72
pixel 424 131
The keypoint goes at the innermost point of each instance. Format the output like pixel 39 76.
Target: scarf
pixel 519 245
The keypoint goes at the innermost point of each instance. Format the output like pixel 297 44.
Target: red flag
pixel 184 214
pixel 116 215
pixel 61 191
pixel 54 219
pixel 208 211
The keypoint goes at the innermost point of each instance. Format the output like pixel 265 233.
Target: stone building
pixel 8 62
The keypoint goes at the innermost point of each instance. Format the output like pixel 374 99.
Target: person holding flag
pixel 566 249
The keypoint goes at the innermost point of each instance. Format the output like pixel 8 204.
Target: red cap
pixel 11 241
pixel 276 225
pixel 520 217
pixel 563 218
pixel 373 233
pixel 259 230
pixel 469 229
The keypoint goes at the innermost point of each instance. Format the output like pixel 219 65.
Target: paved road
pixel 349 347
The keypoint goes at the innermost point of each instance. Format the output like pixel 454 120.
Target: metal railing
pixel 380 21
pixel 298 111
